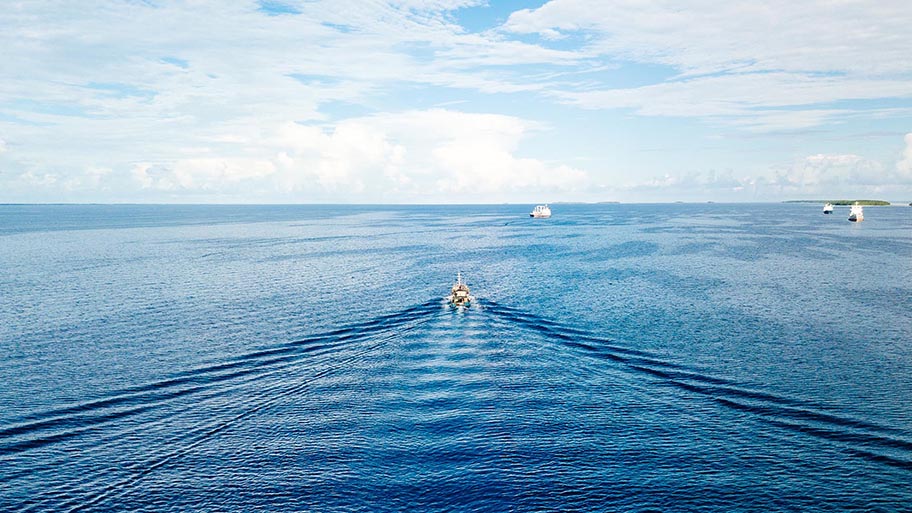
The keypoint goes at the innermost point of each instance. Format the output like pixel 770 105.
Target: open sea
pixel 678 357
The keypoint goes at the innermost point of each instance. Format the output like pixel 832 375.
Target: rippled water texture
pixel 618 358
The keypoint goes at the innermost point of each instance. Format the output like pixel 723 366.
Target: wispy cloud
pixel 754 99
pixel 734 58
pixel 703 37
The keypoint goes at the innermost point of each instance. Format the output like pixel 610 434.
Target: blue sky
pixel 429 101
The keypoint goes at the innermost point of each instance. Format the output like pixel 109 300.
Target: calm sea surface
pixel 301 358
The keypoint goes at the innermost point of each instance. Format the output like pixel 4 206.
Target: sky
pixel 463 101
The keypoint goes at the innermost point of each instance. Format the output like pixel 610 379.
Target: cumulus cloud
pixel 904 166
pixel 691 186
pixel 435 155
pixel 202 174
pixel 816 176
pixel 39 179
pixel 91 178
pixel 344 158
pixel 816 173
pixel 2 146
pixel 856 171
pixel 848 175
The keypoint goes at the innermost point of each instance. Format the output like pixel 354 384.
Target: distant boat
pixel 459 294
pixel 856 214
pixel 828 208
pixel 541 212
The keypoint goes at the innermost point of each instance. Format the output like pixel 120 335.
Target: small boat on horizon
pixel 856 214
pixel 828 208
pixel 541 212
pixel 459 294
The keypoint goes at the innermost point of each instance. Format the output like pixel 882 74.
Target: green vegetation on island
pixel 880 203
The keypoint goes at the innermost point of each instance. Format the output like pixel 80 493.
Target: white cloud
pixel 116 59
pixel 91 178
pixel 208 100
pixel 817 172
pixel 692 186
pixel 739 59
pixel 203 174
pixel 39 179
pixel 140 173
pixel 196 90
pixel 830 175
pixel 2 146
pixel 436 5
pixel 817 176
pixel 904 166
pixel 707 37
pixel 344 159
pixel 425 156
pixel 756 100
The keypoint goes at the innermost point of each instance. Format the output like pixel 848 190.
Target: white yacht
pixel 828 208
pixel 856 214
pixel 541 211
pixel 459 294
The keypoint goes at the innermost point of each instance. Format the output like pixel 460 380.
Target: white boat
pixel 828 208
pixel 459 294
pixel 856 214
pixel 541 212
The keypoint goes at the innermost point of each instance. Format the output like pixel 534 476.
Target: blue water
pixel 300 358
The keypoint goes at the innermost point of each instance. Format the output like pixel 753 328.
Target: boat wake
pixel 139 422
pixel 203 398
pixel 878 443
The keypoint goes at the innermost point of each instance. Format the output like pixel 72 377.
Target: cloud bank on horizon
pixel 463 101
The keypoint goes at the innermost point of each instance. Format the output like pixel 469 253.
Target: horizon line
pixel 96 203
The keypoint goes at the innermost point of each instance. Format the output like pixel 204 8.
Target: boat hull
pixel 540 212
pixel 856 214
pixel 459 294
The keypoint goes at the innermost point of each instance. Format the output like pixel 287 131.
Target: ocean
pixel 667 357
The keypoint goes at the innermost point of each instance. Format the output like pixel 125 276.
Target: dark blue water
pixel 618 358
